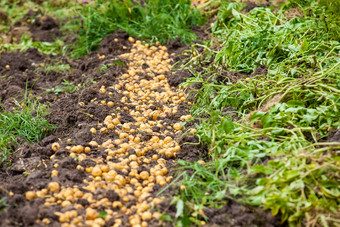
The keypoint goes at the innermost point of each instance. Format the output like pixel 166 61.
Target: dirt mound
pixel 45 29
pixel 34 25
pixel 18 76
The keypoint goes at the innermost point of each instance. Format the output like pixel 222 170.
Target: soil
pixel 74 114
pixel 235 214
pixel 3 17
pixel 34 25
pixel 334 136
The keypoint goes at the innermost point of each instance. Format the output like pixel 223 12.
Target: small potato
pixel 53 186
pixel 91 214
pixel 177 126
pixel 131 40
pixel 55 147
pixel 30 195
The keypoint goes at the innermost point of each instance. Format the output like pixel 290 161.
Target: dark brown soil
pixel 234 214
pixel 334 136
pixel 45 29
pixel 35 25
pixel 30 163
pixel 3 17
pixel 21 77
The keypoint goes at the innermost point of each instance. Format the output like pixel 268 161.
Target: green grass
pixel 271 150
pixel 26 123
pixel 158 20
pixel 58 67
pixel 68 87
pixel 3 204
pixel 54 48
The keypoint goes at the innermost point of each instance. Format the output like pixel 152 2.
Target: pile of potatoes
pixel 132 175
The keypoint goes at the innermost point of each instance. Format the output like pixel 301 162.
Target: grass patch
pixel 27 123
pixel 157 20
pixel 58 67
pixel 27 43
pixel 267 134
pixel 68 87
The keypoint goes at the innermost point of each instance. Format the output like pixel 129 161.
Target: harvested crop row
pixel 135 164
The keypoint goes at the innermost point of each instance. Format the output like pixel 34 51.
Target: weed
pixel 271 150
pixel 102 214
pixel 67 88
pixel 25 124
pixel 3 203
pixel 60 68
pixel 26 43
pixel 115 63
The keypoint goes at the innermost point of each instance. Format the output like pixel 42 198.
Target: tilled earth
pixel 116 140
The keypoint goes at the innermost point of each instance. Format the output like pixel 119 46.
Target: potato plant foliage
pixel 268 134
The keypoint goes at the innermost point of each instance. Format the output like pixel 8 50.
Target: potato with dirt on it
pixel 177 126
pixel 91 214
pixel 55 147
pixel 30 195
pixel 53 186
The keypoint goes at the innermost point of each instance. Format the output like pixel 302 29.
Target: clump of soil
pixel 19 76
pixel 45 29
pixel 3 17
pixel 334 136
pixel 234 214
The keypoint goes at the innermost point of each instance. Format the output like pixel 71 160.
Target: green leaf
pixel 185 220
pixel 289 175
pixel 275 209
pixel 228 126
pixel 278 132
pixel 165 217
pixel 179 208
pixel 234 190
pixel 296 185
pixel 295 103
pixel 331 193
pixel 257 115
pixel 102 214
pixel 309 118
pixel 266 120
pixel 220 195
pixel 256 190
pixel 236 14
pixel 261 169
